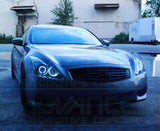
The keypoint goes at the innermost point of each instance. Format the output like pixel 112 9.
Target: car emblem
pixel 107 75
pixel 104 75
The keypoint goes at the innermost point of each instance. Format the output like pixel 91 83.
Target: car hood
pixel 77 55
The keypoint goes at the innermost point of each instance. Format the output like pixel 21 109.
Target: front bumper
pixel 44 91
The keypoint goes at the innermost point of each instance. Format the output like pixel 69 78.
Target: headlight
pixel 43 69
pixel 53 72
pixel 138 66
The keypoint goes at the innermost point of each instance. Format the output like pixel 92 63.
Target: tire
pixel 23 95
pixel 12 71
pixel 29 108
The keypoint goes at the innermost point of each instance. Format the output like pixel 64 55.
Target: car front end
pixel 114 83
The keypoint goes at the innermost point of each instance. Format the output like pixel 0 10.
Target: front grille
pixel 100 75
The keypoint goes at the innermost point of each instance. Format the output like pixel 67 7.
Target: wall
pixel 8 20
pixel 109 22
pixel 104 23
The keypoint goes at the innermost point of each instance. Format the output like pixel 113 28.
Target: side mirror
pixel 106 42
pixel 17 41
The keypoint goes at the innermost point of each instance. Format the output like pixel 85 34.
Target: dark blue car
pixel 62 61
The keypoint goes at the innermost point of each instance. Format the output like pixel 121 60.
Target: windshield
pixel 62 36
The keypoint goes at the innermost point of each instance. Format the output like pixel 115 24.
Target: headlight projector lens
pixel 52 72
pixel 42 70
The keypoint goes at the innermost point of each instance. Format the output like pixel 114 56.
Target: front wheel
pixel 12 71
pixel 23 94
